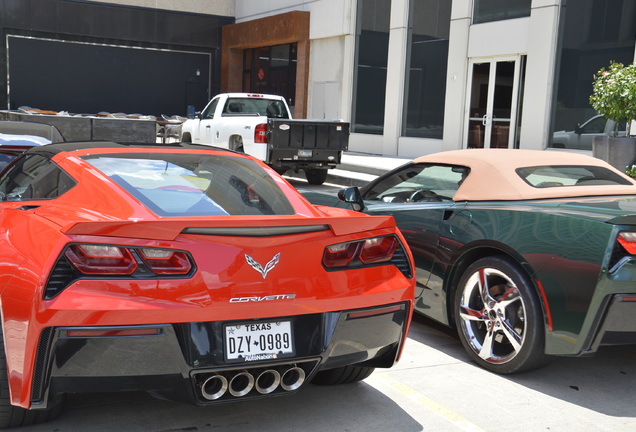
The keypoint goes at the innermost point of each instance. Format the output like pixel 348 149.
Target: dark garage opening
pixel 90 78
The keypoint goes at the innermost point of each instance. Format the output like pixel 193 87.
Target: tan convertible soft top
pixel 492 174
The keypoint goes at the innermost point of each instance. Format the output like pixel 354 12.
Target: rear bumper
pixel 292 158
pixel 183 362
pixel 617 323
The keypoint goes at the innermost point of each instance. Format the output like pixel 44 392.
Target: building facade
pixel 418 76
pixel 412 76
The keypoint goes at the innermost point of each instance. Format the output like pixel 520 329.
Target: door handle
pixel 485 120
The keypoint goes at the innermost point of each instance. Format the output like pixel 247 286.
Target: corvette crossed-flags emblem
pixel 259 268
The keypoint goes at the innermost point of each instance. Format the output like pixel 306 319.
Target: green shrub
pixel 614 93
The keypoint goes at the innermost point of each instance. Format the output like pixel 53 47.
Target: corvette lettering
pixel 264 298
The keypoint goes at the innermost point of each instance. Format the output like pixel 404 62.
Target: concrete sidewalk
pixel 357 169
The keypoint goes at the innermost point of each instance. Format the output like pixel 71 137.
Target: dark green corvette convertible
pixel 527 253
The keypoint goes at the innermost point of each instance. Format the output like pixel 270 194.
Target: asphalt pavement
pixel 433 388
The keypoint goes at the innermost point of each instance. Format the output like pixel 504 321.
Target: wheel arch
pixel 236 142
pixel 472 253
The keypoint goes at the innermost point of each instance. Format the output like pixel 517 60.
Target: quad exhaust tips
pixel 267 381
pixel 240 383
pixel 214 387
pixel 292 379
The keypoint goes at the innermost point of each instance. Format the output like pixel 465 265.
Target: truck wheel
pixel 236 144
pixel 316 176
pixel 13 416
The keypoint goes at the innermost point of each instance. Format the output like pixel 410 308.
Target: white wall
pixel 209 7
pixel 540 70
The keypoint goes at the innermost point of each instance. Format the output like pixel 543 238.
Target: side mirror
pixel 191 111
pixel 577 129
pixel 352 196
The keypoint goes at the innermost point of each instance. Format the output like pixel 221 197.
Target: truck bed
pixel 319 143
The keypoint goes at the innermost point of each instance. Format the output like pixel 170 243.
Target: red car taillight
pixel 368 251
pixel 98 261
pixel 628 241
pixel 379 249
pixel 260 133
pixel 118 260
pixel 164 261
pixel 101 259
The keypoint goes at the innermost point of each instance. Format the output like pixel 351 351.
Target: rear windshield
pixel 256 106
pixel 189 184
pixel 550 176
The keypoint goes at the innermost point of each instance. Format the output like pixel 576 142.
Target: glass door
pixel 493 109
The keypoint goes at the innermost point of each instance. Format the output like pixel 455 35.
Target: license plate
pixel 258 341
pixel 305 153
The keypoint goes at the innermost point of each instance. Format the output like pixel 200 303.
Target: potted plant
pixel 614 96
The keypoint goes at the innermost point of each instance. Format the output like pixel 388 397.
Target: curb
pixel 340 177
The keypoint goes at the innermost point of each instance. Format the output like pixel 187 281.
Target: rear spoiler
pixel 170 229
pixel 623 220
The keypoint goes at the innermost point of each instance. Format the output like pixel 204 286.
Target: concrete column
pixel 394 102
pixel 539 87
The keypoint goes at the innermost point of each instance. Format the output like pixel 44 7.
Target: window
pixel 271 70
pixel 425 88
pixel 372 53
pixel 34 177
pixel 188 184
pixel 208 112
pixel 421 182
pixel 592 34
pixel 497 10
pixel 557 176
pixel 263 107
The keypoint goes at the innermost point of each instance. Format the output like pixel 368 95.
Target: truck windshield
pixel 256 106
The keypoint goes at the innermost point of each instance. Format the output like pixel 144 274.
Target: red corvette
pixel 193 273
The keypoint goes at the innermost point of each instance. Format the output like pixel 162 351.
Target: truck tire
pixel 236 144
pixel 316 176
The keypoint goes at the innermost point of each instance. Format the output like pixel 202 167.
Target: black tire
pixel 316 176
pixel 12 416
pixel 236 144
pixel 499 317
pixel 342 375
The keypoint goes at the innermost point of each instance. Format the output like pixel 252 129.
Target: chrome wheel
pixel 493 315
pixel 498 316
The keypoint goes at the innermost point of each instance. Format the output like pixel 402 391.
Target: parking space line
pixel 446 413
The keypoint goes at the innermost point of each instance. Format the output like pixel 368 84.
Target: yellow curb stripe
pixel 437 408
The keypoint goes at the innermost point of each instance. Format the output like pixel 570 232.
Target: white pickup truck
pixel 583 135
pixel 261 125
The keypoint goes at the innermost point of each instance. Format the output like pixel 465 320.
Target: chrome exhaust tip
pixel 241 384
pixel 292 378
pixel 267 381
pixel 214 387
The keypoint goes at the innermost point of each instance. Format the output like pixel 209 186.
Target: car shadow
pixel 352 407
pixel 603 382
